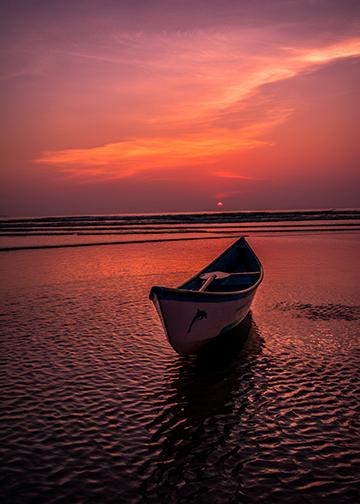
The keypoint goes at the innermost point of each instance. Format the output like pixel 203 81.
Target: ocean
pixel 97 407
pixel 80 230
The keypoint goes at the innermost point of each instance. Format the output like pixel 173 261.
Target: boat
pixel 212 302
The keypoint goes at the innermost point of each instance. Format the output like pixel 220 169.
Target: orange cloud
pixel 229 194
pixel 345 49
pixel 208 79
pixel 227 174
pixel 123 159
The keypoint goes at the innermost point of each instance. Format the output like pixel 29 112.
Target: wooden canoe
pixel 212 302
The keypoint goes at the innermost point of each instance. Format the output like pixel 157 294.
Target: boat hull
pixel 190 324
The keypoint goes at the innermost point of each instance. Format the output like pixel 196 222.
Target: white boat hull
pixel 191 325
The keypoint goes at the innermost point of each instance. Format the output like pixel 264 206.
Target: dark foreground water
pixel 96 407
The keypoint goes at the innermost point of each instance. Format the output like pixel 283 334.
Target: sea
pixel 96 407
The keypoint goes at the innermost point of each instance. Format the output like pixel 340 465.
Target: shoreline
pixel 193 238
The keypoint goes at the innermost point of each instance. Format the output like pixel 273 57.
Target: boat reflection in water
pixel 202 408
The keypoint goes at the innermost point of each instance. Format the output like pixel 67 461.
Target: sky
pixel 174 105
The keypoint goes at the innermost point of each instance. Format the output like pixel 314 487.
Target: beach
pixel 179 252
pixel 97 407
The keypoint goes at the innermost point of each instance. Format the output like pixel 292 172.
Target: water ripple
pixel 96 407
pixel 321 312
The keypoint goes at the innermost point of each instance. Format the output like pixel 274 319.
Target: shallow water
pixel 96 407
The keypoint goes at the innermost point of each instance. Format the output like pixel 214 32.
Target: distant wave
pixel 86 230
pixel 183 218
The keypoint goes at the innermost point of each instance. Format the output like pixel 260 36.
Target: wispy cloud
pixel 127 158
pixel 209 90
pixel 223 195
pixel 227 174
pixel 345 49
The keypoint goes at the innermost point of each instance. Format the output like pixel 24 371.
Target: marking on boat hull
pixel 200 315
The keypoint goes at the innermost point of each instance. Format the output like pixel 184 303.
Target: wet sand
pixel 95 405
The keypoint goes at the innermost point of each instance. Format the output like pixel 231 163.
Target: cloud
pixel 346 49
pixel 229 194
pixel 203 100
pixel 227 174
pixel 127 158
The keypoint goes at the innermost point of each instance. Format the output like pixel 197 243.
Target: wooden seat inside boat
pixel 219 275
pixel 221 281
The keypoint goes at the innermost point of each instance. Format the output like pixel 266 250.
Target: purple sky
pixel 150 106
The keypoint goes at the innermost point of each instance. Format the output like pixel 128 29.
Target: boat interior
pixel 237 269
